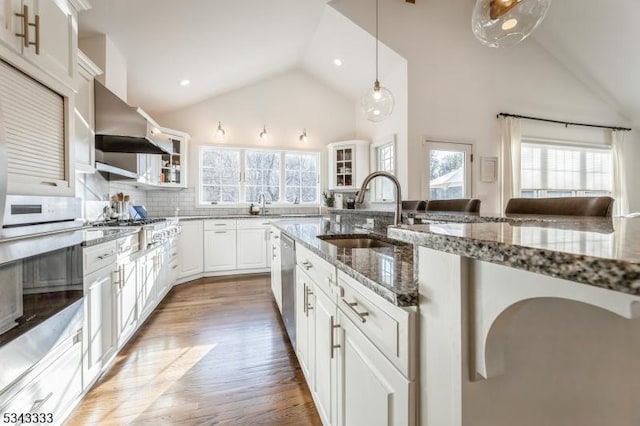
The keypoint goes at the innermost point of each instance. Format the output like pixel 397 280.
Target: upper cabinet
pixel 84 126
pixel 45 32
pixel 173 168
pixel 348 164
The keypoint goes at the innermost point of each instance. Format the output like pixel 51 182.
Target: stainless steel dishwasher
pixel 288 275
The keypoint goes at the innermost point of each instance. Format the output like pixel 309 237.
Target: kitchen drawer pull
pixel 219 224
pixel 25 24
pixel 49 183
pixel 307 265
pixel 37 404
pixel 352 306
pixel 36 25
pixel 220 232
pixel 332 344
pixel 304 301
pixel 106 255
pixel 174 266
pixel 125 249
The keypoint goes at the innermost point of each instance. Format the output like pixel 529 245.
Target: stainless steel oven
pixel 41 289
pixel 288 277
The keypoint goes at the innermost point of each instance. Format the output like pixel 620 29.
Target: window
pixel 262 176
pixel 219 176
pixel 554 170
pixel 385 162
pixel 301 183
pixel 448 170
pixel 233 176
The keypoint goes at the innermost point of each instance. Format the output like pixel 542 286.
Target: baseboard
pixel 221 274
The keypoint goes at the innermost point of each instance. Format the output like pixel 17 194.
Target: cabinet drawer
pixel 128 245
pixel 99 256
pixel 390 328
pixel 254 223
pixel 321 272
pixel 212 225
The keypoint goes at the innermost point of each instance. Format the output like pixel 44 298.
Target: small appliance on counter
pixel 351 203
pixel 339 201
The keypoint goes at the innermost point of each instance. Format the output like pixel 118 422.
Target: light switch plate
pixel 370 223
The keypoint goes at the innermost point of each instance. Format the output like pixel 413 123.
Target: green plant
pixel 329 199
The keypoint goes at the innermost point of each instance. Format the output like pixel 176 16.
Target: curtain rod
pixel 566 123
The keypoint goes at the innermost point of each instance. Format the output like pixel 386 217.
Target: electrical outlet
pixel 370 223
pixel 337 218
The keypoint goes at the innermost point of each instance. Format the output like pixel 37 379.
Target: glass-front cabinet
pixel 170 167
pixel 166 170
pixel 348 164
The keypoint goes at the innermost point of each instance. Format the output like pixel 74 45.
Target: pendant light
pixel 220 132
pixel 502 23
pixel 303 136
pixel 263 133
pixel 377 103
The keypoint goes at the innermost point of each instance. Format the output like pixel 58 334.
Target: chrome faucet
pixel 262 200
pixel 360 198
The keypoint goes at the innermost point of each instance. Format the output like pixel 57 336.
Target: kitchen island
pixel 528 322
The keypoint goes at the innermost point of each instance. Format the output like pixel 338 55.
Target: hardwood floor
pixel 214 352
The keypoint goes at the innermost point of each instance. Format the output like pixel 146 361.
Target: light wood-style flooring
pixel 214 352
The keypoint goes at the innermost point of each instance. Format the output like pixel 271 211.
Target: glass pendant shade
pixel 503 23
pixel 377 103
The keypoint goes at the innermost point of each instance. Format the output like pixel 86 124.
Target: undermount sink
pixel 355 242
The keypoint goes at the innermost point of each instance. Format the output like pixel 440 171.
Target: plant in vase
pixel 329 199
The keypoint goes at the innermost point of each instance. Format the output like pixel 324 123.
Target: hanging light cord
pixel 376 41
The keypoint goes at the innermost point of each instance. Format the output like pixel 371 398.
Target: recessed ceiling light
pixel 337 62
pixel 184 82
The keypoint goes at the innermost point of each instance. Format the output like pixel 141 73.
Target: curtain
pixel 511 140
pixel 621 206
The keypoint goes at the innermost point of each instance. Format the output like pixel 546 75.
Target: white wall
pixel 286 104
pixel 105 54
pixel 456 86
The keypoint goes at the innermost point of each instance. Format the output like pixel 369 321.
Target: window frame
pixel 242 178
pixel 374 161
pixel 565 144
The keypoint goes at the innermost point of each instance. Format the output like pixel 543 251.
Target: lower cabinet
pixel 305 324
pixel 191 248
pixel 252 248
pixel 126 310
pixel 370 391
pixel 148 281
pixel 352 379
pixel 220 250
pixel 100 336
pixel 276 267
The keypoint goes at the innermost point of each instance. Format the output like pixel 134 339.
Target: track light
pixel 263 133
pixel 220 132
pixel 303 136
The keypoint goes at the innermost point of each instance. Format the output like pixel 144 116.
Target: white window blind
pixel 549 170
pixel 34 126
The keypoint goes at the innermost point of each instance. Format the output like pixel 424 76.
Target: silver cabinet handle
pixel 332 344
pixel 220 232
pixel 174 266
pixel 309 306
pixel 352 306
pixel 48 183
pixel 106 255
pixel 37 404
pixel 25 24
pixel 307 265
pixel 304 301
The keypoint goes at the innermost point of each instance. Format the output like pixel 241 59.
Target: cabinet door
pixel 10 24
pixel 252 248
pixel 58 38
pixel 220 250
pixel 370 390
pixel 10 296
pixel 190 248
pixel 276 269
pixel 162 266
pixel 305 324
pixel 83 135
pixel 126 301
pixel 325 375
pixel 99 321
pixel 147 288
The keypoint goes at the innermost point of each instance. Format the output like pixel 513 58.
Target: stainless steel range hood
pixel 127 129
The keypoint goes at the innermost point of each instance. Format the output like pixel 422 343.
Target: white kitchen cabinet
pixel 126 312
pixel 100 337
pixel 305 325
pixel 10 296
pixel 191 248
pixel 371 391
pixel 10 24
pixel 220 250
pixel 84 119
pixel 174 168
pixel 148 282
pixel 276 267
pixel 57 45
pixel 348 164
pixel 252 244
pixel 326 351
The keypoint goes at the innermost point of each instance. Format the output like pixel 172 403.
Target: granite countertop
pixel 388 271
pixel 95 236
pixel 244 216
pixel 602 252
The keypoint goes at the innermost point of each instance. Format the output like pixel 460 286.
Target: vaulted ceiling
pixel 221 45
